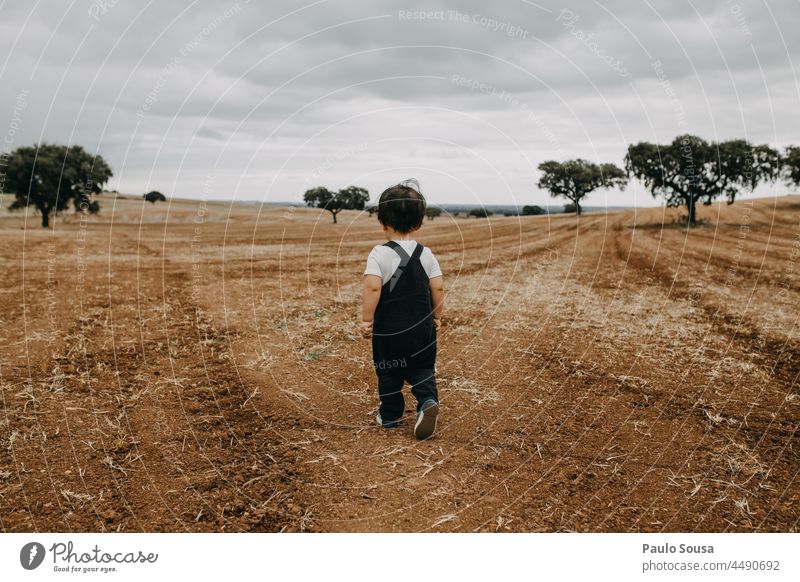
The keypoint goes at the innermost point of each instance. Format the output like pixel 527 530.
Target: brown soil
pixel 182 368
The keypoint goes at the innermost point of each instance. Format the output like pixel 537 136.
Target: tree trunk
pixel 45 218
pixel 691 204
pixel 334 217
pixel 578 209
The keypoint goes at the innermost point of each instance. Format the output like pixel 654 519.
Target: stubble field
pixel 198 367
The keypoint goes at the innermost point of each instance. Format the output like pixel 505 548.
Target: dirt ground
pixel 198 367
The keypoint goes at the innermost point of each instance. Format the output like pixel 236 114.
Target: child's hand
pixel 437 323
pixel 366 329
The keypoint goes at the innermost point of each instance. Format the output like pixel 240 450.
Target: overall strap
pixel 418 251
pixel 405 258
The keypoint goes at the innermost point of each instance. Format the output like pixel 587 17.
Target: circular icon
pixel 31 555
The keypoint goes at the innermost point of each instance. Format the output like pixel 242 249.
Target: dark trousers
pixel 390 390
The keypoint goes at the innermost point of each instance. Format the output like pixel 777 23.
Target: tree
pixel 480 213
pixel 754 162
pixel 350 198
pixel 791 166
pixel 48 176
pixel 574 179
pixel 532 210
pixel 155 196
pixel 353 198
pixel 321 197
pixel 432 212
pixel 691 169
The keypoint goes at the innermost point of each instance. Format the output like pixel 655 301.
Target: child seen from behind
pixel 402 310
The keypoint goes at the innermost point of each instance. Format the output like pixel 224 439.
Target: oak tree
pixel 574 179
pixel 49 176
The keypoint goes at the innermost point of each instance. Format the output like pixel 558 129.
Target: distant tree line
pixel 685 172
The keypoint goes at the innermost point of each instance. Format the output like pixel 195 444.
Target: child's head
pixel 402 207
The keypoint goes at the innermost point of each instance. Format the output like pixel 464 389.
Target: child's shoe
pixel 426 420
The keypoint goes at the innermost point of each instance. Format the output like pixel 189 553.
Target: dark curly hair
pixel 402 207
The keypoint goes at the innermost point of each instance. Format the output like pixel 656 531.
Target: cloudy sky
pixel 263 100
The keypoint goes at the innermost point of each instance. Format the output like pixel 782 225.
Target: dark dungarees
pixel 404 337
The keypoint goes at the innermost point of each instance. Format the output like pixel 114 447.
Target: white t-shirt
pixel 383 261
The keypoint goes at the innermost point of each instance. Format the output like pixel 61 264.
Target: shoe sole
pixel 426 424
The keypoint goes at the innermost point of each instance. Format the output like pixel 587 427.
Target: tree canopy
pixel 574 179
pixel 431 212
pixel 532 210
pixel 791 166
pixel 350 198
pixel 480 212
pixel 48 176
pixel 154 196
pixel 691 169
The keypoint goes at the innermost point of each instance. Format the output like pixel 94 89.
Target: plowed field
pixel 198 367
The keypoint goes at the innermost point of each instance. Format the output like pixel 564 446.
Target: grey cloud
pixel 192 88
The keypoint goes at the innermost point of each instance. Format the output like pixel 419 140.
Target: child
pixel 403 307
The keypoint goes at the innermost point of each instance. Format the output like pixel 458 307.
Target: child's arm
pixel 372 295
pixel 437 297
